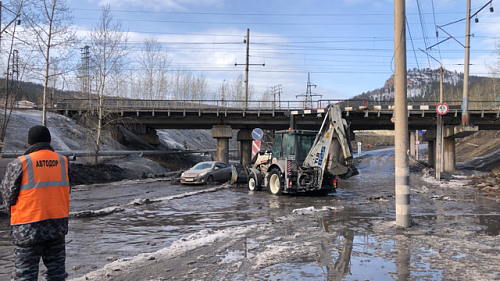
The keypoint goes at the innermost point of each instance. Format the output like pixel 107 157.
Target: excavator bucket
pixel 239 174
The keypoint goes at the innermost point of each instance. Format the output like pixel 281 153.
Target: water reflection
pixel 342 265
pixel 403 258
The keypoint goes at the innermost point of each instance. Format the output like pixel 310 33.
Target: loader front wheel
pixel 275 182
pixel 253 183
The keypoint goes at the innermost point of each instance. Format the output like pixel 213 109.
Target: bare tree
pixel 494 66
pixel 50 22
pixel 109 50
pixel 200 88
pixel 13 73
pixel 155 63
pixel 268 99
pixel 237 90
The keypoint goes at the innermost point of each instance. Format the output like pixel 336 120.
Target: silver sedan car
pixel 207 173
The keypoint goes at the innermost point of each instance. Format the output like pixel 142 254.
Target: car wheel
pixel 275 182
pixel 253 183
pixel 210 180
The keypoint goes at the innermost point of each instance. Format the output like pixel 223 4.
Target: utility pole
pixel 247 64
pixel 465 106
pixel 439 131
pixel 86 71
pixel 277 91
pixel 402 171
pixel 308 96
pixel 246 67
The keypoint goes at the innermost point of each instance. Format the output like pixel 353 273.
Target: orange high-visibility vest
pixel 44 192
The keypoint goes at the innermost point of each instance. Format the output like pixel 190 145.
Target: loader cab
pixel 293 144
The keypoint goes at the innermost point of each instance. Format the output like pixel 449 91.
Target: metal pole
pixel 439 148
pixel 465 105
pixel 441 164
pixel 402 173
pixel 418 143
pixel 441 84
pixel 439 131
pixel 246 68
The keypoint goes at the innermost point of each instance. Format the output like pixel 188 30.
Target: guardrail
pixel 239 105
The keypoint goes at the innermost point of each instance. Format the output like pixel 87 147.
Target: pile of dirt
pixel 91 174
pixel 477 145
pixel 488 185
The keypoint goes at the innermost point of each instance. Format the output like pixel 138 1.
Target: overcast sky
pixel 346 45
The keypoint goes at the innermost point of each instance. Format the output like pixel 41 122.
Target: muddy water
pixel 94 242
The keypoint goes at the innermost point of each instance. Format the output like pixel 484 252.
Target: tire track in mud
pixel 136 202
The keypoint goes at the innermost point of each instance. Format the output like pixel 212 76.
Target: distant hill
pixel 424 85
pixel 34 92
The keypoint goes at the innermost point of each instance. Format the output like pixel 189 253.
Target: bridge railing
pixel 138 104
pixel 454 104
pixel 118 104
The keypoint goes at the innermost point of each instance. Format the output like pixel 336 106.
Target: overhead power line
pixel 259 14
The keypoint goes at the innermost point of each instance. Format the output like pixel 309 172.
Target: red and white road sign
pixel 442 108
pixel 255 148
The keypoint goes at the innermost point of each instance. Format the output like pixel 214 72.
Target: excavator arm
pixel 331 139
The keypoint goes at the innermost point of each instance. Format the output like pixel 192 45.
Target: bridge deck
pixel 204 114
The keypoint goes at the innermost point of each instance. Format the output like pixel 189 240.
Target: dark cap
pixel 38 134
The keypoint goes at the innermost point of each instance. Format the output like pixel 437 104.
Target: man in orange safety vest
pixel 36 191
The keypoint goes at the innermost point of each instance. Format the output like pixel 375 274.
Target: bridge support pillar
pixel 222 133
pixel 431 157
pixel 245 139
pixel 412 143
pixel 449 155
pixel 430 138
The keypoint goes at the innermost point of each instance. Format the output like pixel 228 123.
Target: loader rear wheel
pixel 275 182
pixel 253 183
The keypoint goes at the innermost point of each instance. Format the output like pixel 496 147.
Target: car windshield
pixel 202 166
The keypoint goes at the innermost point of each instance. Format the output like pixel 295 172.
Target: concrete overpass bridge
pixel 146 116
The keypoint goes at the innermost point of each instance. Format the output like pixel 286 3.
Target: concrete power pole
pixel 247 64
pixel 246 68
pixel 402 173
pixel 465 108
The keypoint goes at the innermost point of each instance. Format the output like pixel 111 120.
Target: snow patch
pixel 312 209
pixel 192 242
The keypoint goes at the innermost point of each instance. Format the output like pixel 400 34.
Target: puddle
pixel 359 257
pixel 289 271
pixel 488 223
pixel 237 255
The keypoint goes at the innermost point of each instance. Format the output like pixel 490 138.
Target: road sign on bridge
pixel 442 108
pixel 257 134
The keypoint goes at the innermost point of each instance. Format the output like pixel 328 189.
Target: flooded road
pixel 348 235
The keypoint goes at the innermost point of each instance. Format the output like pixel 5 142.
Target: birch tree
pixel 50 22
pixel 109 50
pixel 237 90
pixel 155 62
